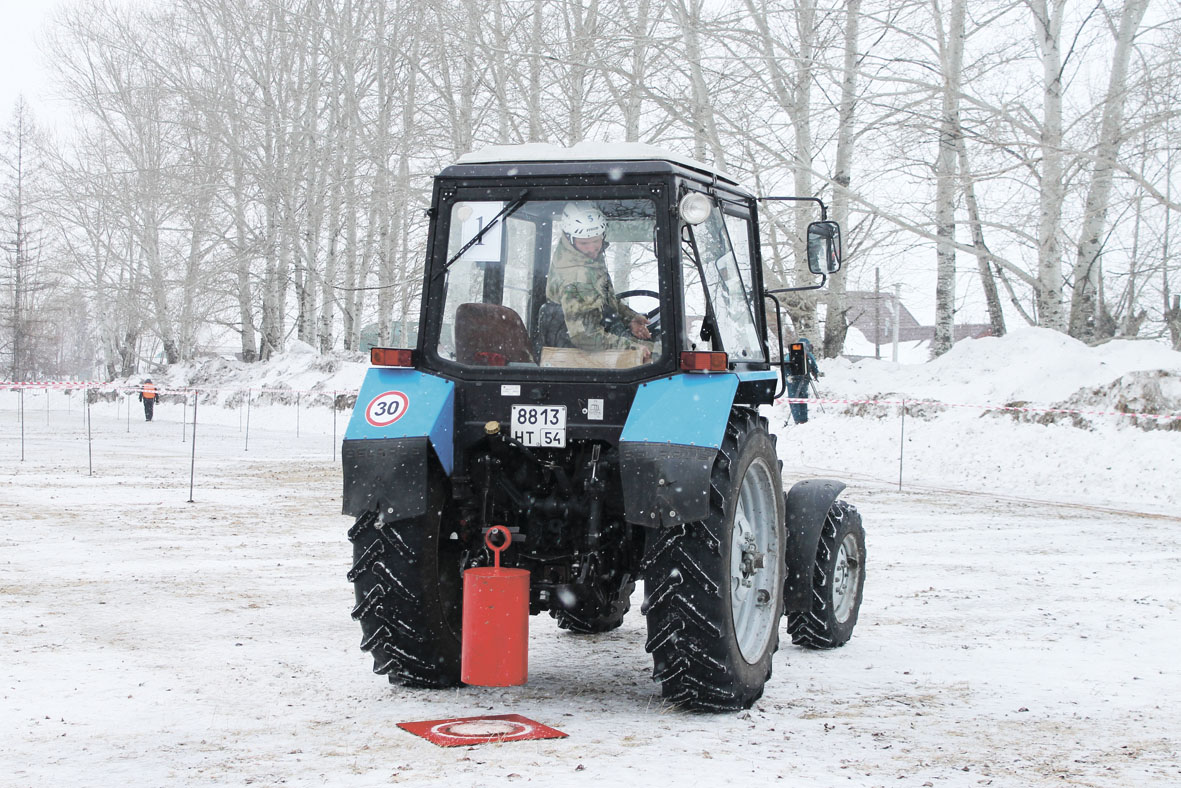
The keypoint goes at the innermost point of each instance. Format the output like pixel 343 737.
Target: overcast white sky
pixel 21 67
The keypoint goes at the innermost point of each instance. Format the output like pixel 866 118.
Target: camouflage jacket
pixel 595 317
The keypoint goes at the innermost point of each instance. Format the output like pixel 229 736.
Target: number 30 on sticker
pixel 387 408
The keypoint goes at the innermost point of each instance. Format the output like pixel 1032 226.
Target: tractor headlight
pixel 695 207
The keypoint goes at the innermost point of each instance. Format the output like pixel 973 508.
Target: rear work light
pixel 797 360
pixel 391 357
pixel 703 361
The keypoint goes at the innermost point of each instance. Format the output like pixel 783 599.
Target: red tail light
pixel 703 361
pixel 391 357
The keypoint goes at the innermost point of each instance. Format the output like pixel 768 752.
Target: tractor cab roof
pixel 586 158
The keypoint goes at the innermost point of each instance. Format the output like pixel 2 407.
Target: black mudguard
pixel 665 484
pixel 386 475
pixel 808 503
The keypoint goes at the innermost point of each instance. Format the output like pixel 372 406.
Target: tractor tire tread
pixel 404 626
pixel 686 599
pixel 579 623
pixel 817 627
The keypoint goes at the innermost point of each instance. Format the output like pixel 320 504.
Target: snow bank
pixel 298 370
pixel 1034 365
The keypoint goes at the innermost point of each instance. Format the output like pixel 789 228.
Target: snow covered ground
pixel 1020 622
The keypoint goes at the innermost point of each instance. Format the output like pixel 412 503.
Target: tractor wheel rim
pixel 754 590
pixel 845 578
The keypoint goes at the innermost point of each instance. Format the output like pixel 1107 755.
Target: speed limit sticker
pixel 387 408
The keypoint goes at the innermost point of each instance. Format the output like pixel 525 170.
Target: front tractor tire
pixel 588 618
pixel 838 579
pixel 408 583
pixel 714 588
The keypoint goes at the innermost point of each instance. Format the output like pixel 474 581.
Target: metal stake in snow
pixel 21 408
pixel 193 461
pixel 127 398
pixel 816 394
pixel 333 405
pixel 247 421
pixel 297 414
pixel 901 445
pixel 89 439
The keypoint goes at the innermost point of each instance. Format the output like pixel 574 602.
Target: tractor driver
pixel 578 280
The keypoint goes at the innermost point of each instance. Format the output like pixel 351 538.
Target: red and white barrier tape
pixel 59 384
pixel 52 384
pixel 1025 409
pixel 134 388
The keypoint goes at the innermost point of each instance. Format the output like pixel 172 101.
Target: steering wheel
pixel 654 315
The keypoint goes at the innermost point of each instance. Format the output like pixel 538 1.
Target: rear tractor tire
pixel 714 588
pixel 589 619
pixel 408 583
pixel 838 579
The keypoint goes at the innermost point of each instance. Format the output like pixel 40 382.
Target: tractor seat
pixel 490 335
pixel 551 328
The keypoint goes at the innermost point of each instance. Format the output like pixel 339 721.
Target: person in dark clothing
pixel 797 385
pixel 147 395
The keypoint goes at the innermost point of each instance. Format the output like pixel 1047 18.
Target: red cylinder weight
pixel 495 651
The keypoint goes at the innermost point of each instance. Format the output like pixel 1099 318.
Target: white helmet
pixel 583 220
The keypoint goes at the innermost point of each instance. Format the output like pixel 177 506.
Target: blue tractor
pixel 591 355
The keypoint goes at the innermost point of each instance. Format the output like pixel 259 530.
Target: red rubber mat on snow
pixel 466 731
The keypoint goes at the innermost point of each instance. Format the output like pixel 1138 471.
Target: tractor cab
pixel 679 247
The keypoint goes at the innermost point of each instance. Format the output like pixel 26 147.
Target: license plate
pixel 542 426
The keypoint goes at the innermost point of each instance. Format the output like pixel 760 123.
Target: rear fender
pixel 668 446
pixel 808 503
pixel 403 420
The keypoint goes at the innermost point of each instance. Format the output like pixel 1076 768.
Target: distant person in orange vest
pixel 147 395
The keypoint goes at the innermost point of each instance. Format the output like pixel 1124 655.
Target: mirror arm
pixel 779 336
pixel 817 200
pixel 823 279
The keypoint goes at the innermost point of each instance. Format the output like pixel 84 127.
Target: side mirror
pixel 824 247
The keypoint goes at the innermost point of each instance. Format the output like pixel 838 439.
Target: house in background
pixel 873 315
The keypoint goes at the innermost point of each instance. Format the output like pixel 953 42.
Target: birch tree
pixel 835 323
pixel 707 143
pixel 99 255
pixel 951 57
pixel 1084 300
pixel 24 284
pixel 1048 18
pixel 107 73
